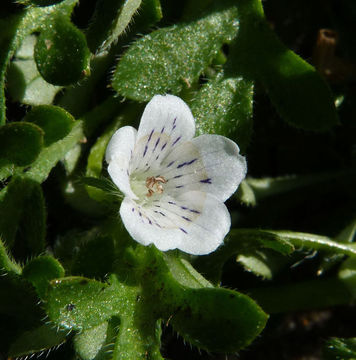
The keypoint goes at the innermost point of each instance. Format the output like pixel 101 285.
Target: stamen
pixel 154 185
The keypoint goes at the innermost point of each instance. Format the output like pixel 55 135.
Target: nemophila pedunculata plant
pixel 224 222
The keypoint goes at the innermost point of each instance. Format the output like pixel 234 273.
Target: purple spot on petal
pixel 206 181
pixel 174 121
pixel 171 202
pixel 157 157
pixel 133 209
pixel 150 222
pixel 185 218
pixel 183 230
pixel 176 140
pixel 140 213
pixel 184 208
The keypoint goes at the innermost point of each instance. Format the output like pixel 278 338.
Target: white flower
pixel 174 185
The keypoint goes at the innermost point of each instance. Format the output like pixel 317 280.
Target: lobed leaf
pixel 170 58
pixel 40 271
pixel 21 143
pixel 218 320
pixel 79 303
pixel 53 120
pixel 61 52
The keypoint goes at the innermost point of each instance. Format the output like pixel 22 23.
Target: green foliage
pixel 172 58
pixel 20 143
pixel 61 52
pixel 70 273
pixel 110 21
pixel 339 348
pixel 54 121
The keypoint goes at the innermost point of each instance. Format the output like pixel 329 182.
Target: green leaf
pixel 262 263
pixel 20 142
pixel 110 21
pixel 218 320
pixel 170 58
pixel 39 2
pixel 298 92
pixel 16 28
pixel 61 52
pixel 184 273
pixel 89 342
pixel 340 349
pixel 7 264
pixel 24 82
pixel 19 309
pixel 40 271
pixel 79 303
pixel 224 106
pixel 53 120
pixel 214 319
pixel 246 242
pixel 37 340
pixel 50 155
pixel 23 217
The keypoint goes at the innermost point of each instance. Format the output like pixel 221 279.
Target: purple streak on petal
pixel 179 186
pixel 206 181
pixel 194 211
pixel 171 202
pixel 183 230
pixel 186 163
pixel 162 130
pixel 185 218
pixel 163 146
pixel 177 176
pixel 178 138
pixel 133 209
pixel 157 142
pixel 184 208
pixel 144 153
pixel 149 138
pixel 171 163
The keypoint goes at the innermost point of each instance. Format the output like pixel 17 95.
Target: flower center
pixel 154 185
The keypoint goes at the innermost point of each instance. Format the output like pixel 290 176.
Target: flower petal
pixel 209 163
pixel 166 122
pixel 118 156
pixel 194 222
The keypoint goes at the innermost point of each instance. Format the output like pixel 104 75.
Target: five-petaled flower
pixel 174 185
